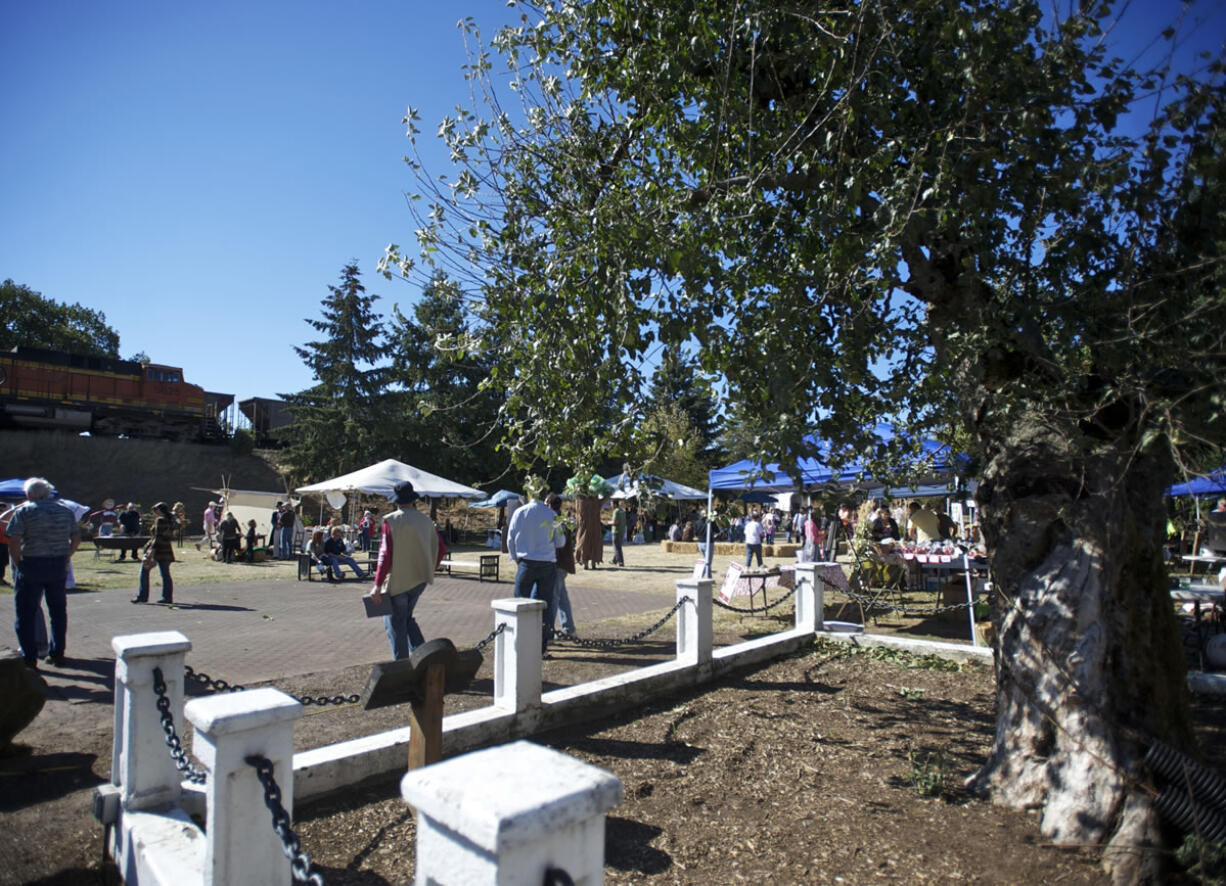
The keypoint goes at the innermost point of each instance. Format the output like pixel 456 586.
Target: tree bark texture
pixel 1089 663
pixel 589 540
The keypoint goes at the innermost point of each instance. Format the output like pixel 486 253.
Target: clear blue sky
pixel 201 172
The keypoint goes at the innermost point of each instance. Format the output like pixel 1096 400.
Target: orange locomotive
pixel 102 395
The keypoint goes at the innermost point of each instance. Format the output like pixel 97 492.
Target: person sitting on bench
pixel 335 549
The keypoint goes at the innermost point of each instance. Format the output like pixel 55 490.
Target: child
pixel 250 541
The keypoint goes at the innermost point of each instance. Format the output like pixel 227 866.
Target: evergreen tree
pixel 337 425
pixel 680 381
pixel 447 414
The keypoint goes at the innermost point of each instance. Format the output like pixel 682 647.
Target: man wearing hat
pixel 408 553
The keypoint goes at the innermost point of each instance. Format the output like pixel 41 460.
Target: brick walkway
pixel 251 631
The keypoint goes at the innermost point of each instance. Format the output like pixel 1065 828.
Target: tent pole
pixel 710 514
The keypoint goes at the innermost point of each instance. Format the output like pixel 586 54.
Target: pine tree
pixel 336 422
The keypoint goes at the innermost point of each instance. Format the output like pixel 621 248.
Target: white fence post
pixel 141 766
pixel 506 814
pixel 517 653
pixel 810 598
pixel 241 845
pixel 695 634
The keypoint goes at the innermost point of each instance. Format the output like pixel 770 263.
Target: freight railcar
pixel 52 389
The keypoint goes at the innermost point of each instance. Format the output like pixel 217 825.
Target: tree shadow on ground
pixel 672 751
pixel 626 847
pixel 29 779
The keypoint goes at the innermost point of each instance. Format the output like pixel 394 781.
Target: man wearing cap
pixel 42 539
pixel 408 553
pixel 532 542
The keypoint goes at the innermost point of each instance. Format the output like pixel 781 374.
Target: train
pixel 104 396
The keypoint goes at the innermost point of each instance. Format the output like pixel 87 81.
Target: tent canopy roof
pixel 382 479
pixel 497 500
pixel 810 471
pixel 670 489
pixel 1213 483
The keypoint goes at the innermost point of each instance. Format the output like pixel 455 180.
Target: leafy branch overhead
pixel 844 210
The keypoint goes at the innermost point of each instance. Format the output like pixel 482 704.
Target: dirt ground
pixel 833 766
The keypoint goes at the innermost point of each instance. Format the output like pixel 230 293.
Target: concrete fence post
pixel 241 846
pixel 141 766
pixel 507 814
pixel 695 633
pixel 810 598
pixel 517 653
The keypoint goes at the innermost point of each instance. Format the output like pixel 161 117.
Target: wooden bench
pixel 485 567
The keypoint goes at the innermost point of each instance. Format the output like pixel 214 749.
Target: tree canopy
pixel 973 218
pixel 29 318
pixel 876 196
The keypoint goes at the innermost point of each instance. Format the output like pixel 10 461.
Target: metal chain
pixel 622 641
pixel 494 633
pixel 211 685
pixel 300 862
pixel 754 609
pixel 195 776
pixel 911 611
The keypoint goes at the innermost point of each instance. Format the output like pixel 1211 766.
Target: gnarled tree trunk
pixel 1090 667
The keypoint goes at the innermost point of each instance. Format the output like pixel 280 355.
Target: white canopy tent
pixel 656 486
pixel 382 479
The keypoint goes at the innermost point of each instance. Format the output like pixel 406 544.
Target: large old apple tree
pixel 982 219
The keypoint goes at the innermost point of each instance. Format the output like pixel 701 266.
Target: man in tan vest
pixel 408 553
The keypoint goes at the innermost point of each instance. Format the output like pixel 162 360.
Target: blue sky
pixel 201 172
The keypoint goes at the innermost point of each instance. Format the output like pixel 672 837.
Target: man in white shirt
pixel 753 540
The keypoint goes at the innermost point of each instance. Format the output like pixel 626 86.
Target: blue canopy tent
pixel 1213 483
pixel 809 472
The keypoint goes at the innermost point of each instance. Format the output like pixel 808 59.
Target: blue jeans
pixel 35 578
pixel 403 632
pixel 285 549
pixel 560 603
pixel 168 585
pixel 348 561
pixel 535 579
pixel 750 551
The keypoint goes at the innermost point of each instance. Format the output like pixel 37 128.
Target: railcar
pixel 42 388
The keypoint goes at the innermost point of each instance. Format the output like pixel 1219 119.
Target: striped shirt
pixel 46 529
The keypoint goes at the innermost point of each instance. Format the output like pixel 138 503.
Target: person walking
pixel 619 535
pixel 43 536
pixel 160 552
pixel 533 539
pixel 753 540
pixel 408 556
pixel 209 523
pixel 560 602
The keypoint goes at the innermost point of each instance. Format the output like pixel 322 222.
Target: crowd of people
pixel 544 540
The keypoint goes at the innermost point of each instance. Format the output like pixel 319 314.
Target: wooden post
pixel 426 720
